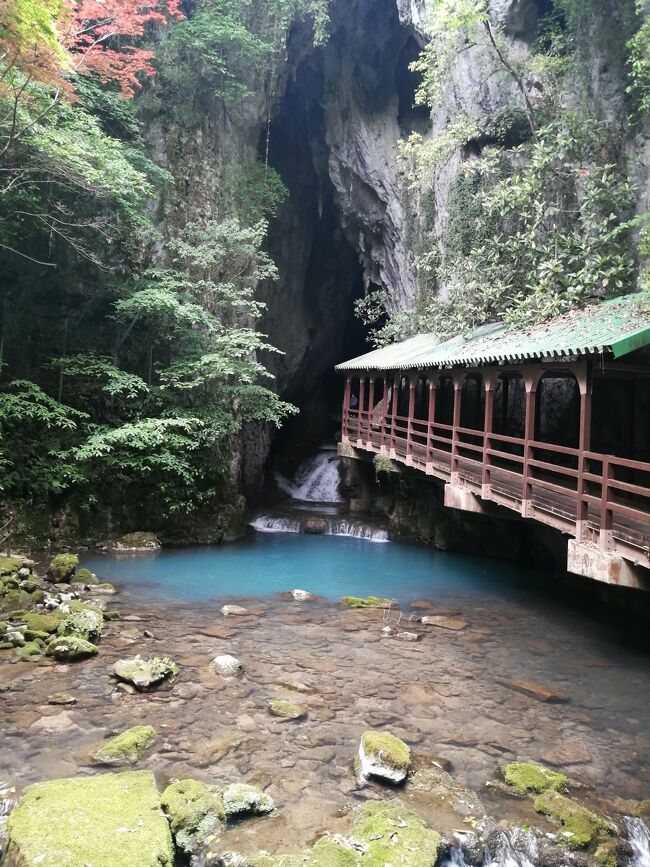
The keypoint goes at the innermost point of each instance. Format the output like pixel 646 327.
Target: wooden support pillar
pixel 490 378
pixel 384 413
pixel 583 377
pixel 459 379
pixel 371 402
pixel 531 376
pixel 346 409
pixel 432 380
pixel 362 396
pixel 413 378
pixel 396 390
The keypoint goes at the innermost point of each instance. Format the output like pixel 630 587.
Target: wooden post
pixel 584 379
pixel 605 537
pixel 431 418
pixel 346 409
pixel 531 376
pixel 371 401
pixel 413 378
pixel 362 396
pixel 384 413
pixel 490 378
pixel 396 391
pixel 459 379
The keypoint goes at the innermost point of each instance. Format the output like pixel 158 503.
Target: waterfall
pixel 516 848
pixel 638 835
pixel 335 527
pixel 6 806
pixel 316 480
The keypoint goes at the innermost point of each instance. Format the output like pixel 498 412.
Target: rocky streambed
pixel 224 730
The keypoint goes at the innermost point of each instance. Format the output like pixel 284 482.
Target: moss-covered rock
pixel 48 623
pixel 104 587
pixel 287 710
pixel 240 799
pixel 85 576
pixel 383 755
pixel 69 647
pixel 138 542
pixel 15 601
pixel 580 827
pixel 145 673
pixel 103 820
pixel 369 602
pixel 62 568
pixel 524 778
pixel 10 565
pixel 31 651
pixel 195 811
pixel 127 747
pixel 86 623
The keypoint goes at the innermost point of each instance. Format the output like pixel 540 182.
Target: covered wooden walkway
pixel 506 417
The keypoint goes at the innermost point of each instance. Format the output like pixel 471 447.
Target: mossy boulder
pixel 286 710
pixel 15 601
pixel 11 565
pixel 196 813
pixel 86 623
pixel 102 820
pixel 104 587
pixel 368 602
pixel 524 778
pixel 383 755
pixel 381 834
pixel 31 651
pixel 580 827
pixel 145 673
pixel 70 647
pixel 62 568
pixel 241 799
pixel 127 747
pixel 138 542
pixel 85 576
pixel 48 623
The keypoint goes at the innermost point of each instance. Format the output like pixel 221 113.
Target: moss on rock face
pixel 70 647
pixel 580 827
pixel 48 623
pixel 383 755
pixel 10 565
pixel 369 602
pixel 526 778
pixel 286 709
pixel 139 542
pixel 85 576
pixel 241 798
pixel 102 820
pixel 127 747
pixel 31 651
pixel 333 852
pixel 87 624
pixel 196 813
pixel 62 568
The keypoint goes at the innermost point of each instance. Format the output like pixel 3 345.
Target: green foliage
pixel 639 60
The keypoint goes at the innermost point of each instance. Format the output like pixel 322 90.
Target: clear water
pixel 329 566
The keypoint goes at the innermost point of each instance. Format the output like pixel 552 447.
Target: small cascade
pixel 316 479
pixel 7 803
pixel 273 524
pixel 515 848
pixel 638 835
pixel 357 530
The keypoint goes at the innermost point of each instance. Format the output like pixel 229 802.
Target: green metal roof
pixel 618 326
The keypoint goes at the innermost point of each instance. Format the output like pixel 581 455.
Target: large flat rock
pixel 103 821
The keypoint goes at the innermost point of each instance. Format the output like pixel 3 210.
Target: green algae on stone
pixel 48 623
pixel 525 778
pixel 104 820
pixel 69 647
pixel 196 813
pixel 580 827
pixel 286 710
pixel 10 565
pixel 143 673
pixel 127 747
pixel 240 798
pixel 31 651
pixel 335 851
pixel 139 542
pixel 382 754
pixel 85 576
pixel 369 602
pixel 62 568
pixel 86 623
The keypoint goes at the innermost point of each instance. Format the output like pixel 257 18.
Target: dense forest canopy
pixel 129 346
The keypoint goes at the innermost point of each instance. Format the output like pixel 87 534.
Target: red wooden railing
pixel 596 497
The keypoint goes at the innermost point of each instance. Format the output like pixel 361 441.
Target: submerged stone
pixel 196 813
pixel 62 568
pixel 101 821
pixel 70 647
pixel 143 673
pixel 127 747
pixel 286 710
pixel 61 698
pixel 525 778
pixel 227 665
pixel 241 798
pixel 233 609
pixel 383 755
pixel 580 827
pixel 536 690
pixel 302 595
pixel 444 622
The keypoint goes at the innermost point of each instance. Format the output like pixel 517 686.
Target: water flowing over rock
pixel 638 835
pixel 316 480
pixel 335 527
